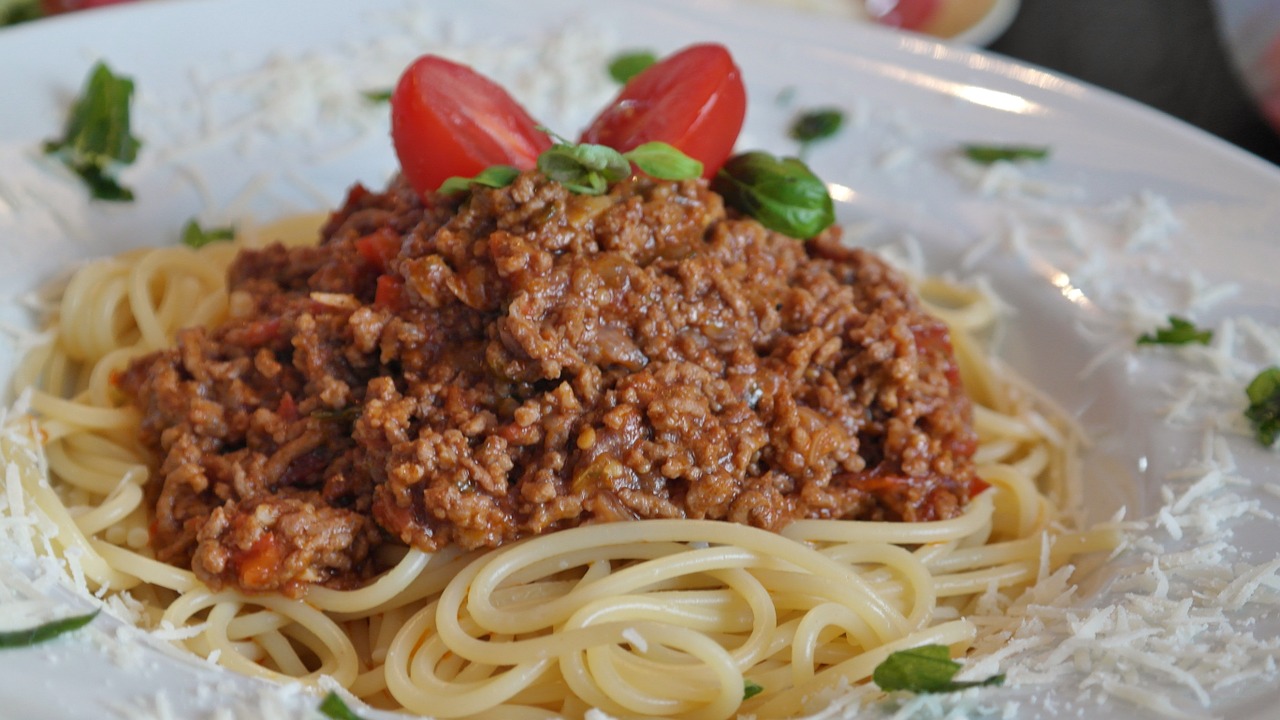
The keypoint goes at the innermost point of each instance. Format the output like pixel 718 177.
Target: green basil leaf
pixel 1264 405
pixel 380 95
pixel 494 176
pixel 47 631
pixel 97 138
pixel 783 194
pixel 20 12
pixel 989 154
pixel 585 169
pixel 924 669
pixel 750 689
pixel 197 237
pixel 816 125
pixel 560 166
pixel 102 186
pixel 628 65
pixel 605 160
pixel 593 183
pixel 1180 332
pixel 333 707
pixel 664 162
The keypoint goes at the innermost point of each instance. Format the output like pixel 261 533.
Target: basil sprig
pixel 332 707
pixel 588 169
pixel 1180 332
pixel 197 237
pixel 97 139
pixel 924 669
pixel 627 65
pixel 494 176
pixel 47 631
pixel 990 154
pixel 1264 405
pixel 782 193
pixel 584 168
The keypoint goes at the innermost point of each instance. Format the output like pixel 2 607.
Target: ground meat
pixel 477 369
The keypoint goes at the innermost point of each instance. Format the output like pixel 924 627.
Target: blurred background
pixel 1212 63
pixel 1203 61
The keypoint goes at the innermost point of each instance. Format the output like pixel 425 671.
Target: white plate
pixel 1156 207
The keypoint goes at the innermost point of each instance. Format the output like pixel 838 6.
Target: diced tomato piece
pixel 390 293
pixel 288 409
pixel 259 565
pixel 379 248
pixel 255 333
pixel 977 485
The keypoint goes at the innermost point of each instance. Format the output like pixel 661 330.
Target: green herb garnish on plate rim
pixel 196 236
pixel 1179 332
pixel 45 631
pixel 1263 412
pixel 97 140
pixel 991 154
pixel 924 669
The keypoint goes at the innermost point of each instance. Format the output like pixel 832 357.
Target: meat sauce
pixel 515 361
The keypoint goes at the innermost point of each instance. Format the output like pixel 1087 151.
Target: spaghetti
pixel 662 618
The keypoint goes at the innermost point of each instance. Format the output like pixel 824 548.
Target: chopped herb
pixel 815 125
pixel 333 707
pixel 197 237
pixel 783 194
pixel 97 139
pixel 750 689
pixel 496 176
pixel 377 96
pixel 47 631
pixel 988 154
pixel 20 12
pixel 1180 332
pixel 924 669
pixel 630 64
pixel 1264 405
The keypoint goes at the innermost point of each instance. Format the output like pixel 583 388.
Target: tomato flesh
pixel 258 566
pixel 379 248
pixel 693 100
pixel 449 120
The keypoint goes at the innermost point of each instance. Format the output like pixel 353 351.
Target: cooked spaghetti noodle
pixel 651 618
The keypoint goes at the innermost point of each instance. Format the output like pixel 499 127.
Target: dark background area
pixel 1165 53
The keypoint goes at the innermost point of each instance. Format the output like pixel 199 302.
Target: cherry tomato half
pixel 693 100
pixel 447 120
